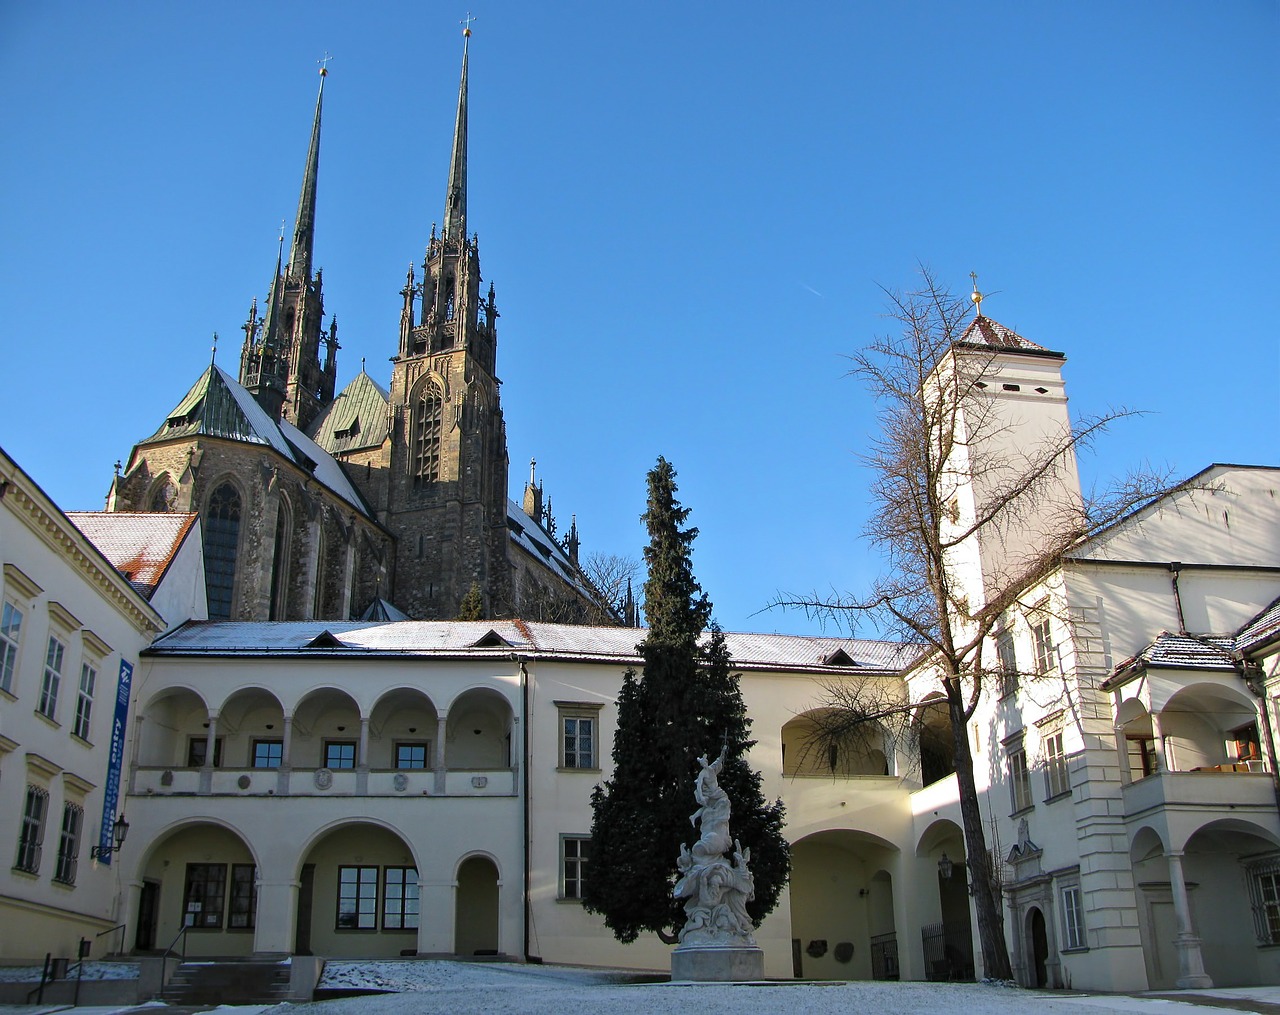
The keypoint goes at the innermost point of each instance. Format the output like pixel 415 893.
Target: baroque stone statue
pixel 716 891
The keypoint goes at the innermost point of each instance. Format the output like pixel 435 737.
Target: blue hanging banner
pixel 115 764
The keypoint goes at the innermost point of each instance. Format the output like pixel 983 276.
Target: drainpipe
pixel 1175 567
pixel 1251 672
pixel 525 814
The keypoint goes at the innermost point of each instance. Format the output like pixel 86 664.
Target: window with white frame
pixel 1057 777
pixel 579 735
pixel 48 704
pixel 1072 918
pixel 31 833
pixel 10 639
pixel 84 700
pixel 575 852
pixel 1008 663
pixel 1264 894
pixel 69 844
pixel 1042 639
pixel 1019 776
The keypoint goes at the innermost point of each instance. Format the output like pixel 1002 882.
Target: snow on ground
pixel 92 971
pixel 495 988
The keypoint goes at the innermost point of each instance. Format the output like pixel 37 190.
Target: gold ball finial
pixel 466 33
pixel 466 25
pixel 976 296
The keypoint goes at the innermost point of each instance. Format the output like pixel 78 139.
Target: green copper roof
pixel 211 408
pixel 356 419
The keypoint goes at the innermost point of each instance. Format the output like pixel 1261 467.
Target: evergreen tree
pixel 472 605
pixel 685 702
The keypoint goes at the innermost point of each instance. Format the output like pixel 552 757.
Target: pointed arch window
pixel 450 298
pixel 280 562
pixel 428 421
pixel 221 545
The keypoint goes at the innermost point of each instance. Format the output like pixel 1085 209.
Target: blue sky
pixel 686 210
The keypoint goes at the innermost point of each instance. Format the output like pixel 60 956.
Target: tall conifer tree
pixel 685 702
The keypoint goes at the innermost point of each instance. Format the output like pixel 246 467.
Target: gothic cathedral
pixel 374 503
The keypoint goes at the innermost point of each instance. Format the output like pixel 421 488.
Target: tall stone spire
pixel 455 203
pixel 304 223
pixel 281 362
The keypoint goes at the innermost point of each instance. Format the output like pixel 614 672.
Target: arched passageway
pixel 842 907
pixel 476 920
pixel 201 876
pixel 358 894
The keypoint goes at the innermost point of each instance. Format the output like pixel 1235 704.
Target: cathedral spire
pixel 304 223
pixel 455 204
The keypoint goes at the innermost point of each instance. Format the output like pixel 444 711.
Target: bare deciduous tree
pixel 973 509
pixel 614 575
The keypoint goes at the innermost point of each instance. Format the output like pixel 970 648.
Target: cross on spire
pixel 466 24
pixel 324 64
pixel 976 296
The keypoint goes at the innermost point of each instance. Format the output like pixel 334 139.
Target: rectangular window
pixel 1008 663
pixel 1042 642
pixel 1072 918
pixel 579 732
pixel 268 753
pixel 52 677
pixel 399 898
pixel 412 755
pixel 1244 744
pixel 1057 779
pixel 575 851
pixel 1019 777
pixel 205 891
pixel 244 896
pixel 357 898
pixel 198 748
pixel 339 754
pixel 10 639
pixel 69 844
pixel 1264 893
pixel 1142 756
pixel 31 834
pixel 84 701
pixel 579 742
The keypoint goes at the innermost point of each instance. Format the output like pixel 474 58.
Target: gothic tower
pixel 280 360
pixel 446 493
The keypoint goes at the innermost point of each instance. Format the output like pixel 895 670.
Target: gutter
pixel 525 810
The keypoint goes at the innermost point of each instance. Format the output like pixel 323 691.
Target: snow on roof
pixel 490 638
pixel 219 406
pixel 326 467
pixel 533 539
pixel 1263 628
pixel 140 545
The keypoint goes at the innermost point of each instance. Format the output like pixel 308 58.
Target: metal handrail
pixel 110 930
pixel 182 934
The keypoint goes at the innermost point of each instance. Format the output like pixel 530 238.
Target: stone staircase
pixel 228 981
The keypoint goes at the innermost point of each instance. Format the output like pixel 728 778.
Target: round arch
pixel 199 873
pixel 842 906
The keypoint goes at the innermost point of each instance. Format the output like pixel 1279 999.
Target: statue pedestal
pixel 710 963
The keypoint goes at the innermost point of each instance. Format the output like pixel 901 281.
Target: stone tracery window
pixel 428 421
pixel 221 543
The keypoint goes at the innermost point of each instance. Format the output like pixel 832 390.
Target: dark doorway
pixel 148 911
pixel 1039 948
pixel 302 931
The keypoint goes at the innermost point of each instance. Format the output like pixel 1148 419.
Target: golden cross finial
pixel 324 64
pixel 976 296
pixel 466 25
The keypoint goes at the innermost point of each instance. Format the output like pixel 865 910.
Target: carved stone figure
pixel 716 891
